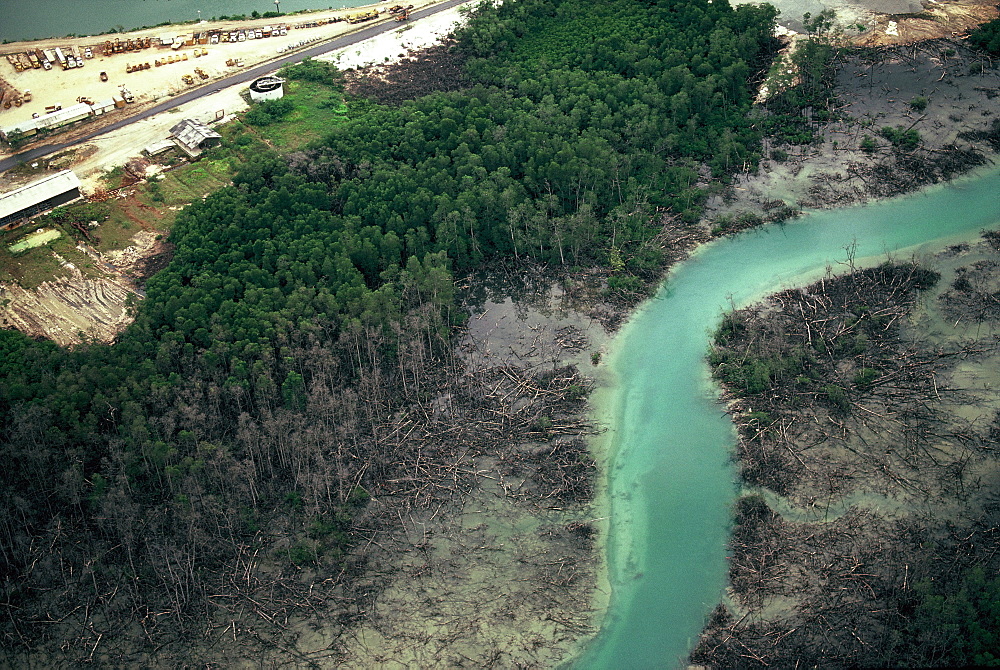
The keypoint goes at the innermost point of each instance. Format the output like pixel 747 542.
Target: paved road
pixel 240 78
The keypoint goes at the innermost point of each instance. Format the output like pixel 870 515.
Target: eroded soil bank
pixel 72 307
pixel 868 419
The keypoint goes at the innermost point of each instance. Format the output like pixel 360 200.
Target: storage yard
pixel 90 76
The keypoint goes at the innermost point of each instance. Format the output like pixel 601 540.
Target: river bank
pixel 525 400
pixel 940 89
pixel 869 464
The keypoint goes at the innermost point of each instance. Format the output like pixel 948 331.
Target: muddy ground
pixel 947 93
pixel 479 546
pixel 510 574
pixel 869 462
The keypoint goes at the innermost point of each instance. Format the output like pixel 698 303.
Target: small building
pixel 157 148
pixel 55 119
pixel 39 196
pixel 194 137
pixel 103 106
pixel 267 88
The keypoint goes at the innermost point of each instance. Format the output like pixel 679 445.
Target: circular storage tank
pixel 267 88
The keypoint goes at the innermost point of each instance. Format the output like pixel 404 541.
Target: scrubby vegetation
pixel 987 37
pixel 837 406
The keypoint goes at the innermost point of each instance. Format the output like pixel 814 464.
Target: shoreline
pixel 878 491
pixel 16 46
pixel 818 166
pixel 939 88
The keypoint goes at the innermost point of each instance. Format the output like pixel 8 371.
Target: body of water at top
pixel 670 482
pixel 37 19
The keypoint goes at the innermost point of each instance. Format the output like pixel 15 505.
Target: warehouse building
pixel 55 119
pixel 39 196
pixel 193 137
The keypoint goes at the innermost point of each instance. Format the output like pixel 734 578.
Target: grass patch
pixel 33 266
pixel 36 239
pixel 315 107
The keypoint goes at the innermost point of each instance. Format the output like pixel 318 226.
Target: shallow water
pixel 670 481
pixel 848 14
pixel 36 239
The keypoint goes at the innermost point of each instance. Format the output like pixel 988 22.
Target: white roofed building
pixel 267 88
pixel 56 119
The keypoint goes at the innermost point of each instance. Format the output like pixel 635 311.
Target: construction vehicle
pixel 363 16
pixel 403 15
pixel 27 96
pixel 200 73
pixel 187 79
pixel 127 95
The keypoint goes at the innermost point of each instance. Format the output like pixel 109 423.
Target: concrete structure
pixel 103 106
pixel 157 148
pixel 39 196
pixel 267 88
pixel 193 137
pixel 55 119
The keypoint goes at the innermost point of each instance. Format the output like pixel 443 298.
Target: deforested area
pixel 866 535
pixel 878 122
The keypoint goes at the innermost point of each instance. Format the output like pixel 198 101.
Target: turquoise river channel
pixel 671 483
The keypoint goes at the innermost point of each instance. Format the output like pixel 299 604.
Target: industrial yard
pixel 47 84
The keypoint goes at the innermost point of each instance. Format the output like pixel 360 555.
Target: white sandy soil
pixel 392 46
pixel 52 87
